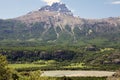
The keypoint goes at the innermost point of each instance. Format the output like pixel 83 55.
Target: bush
pixel 5 73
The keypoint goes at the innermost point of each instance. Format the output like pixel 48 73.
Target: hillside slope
pixel 57 24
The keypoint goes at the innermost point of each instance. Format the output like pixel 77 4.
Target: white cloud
pixel 50 2
pixel 116 2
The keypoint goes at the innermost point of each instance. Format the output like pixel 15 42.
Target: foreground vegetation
pixel 24 62
pixel 60 57
pixel 9 74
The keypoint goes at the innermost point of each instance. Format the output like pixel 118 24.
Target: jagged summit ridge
pixel 57 14
pixel 57 23
pixel 57 7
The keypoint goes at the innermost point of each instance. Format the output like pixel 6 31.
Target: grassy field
pixel 75 65
pixel 46 65
pixel 27 65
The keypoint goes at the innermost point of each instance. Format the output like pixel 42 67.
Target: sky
pixel 82 8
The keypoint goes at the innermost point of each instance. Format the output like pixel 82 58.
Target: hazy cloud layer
pixel 116 2
pixel 49 2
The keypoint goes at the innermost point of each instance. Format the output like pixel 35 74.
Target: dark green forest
pixel 92 56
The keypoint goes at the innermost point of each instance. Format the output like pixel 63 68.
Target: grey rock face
pixel 57 7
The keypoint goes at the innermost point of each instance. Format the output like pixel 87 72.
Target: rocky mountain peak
pixel 57 7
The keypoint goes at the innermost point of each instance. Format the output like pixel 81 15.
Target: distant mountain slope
pixel 56 23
